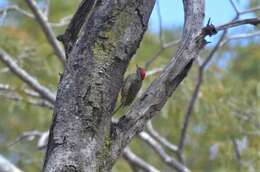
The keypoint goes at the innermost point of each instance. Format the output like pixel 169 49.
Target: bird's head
pixel 140 72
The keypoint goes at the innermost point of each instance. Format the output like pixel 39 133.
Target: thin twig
pixel 29 135
pixel 202 66
pixel 252 21
pixel 46 28
pixel 251 10
pixel 18 9
pixel 27 78
pixel 237 152
pixel 240 36
pixel 32 97
pixel 5 165
pixel 194 96
pixel 188 115
pixel 63 22
pixel 35 102
pixel 234 7
pixel 213 51
pixel 162 154
pixel 159 138
pixel 132 158
pixel 6 87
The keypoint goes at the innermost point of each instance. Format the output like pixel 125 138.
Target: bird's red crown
pixel 143 73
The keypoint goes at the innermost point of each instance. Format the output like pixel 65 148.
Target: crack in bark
pixel 140 15
pixel 70 168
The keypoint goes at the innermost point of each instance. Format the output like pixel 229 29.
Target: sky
pixel 220 12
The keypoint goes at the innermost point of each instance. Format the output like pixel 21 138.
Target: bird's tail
pixel 119 107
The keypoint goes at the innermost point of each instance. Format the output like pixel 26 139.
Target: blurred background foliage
pixel 227 108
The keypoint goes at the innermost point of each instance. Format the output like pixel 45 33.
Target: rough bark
pixel 162 88
pixel 99 43
pixel 80 138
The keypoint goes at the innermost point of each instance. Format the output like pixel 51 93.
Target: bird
pixel 131 87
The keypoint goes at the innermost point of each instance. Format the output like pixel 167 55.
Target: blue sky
pixel 220 12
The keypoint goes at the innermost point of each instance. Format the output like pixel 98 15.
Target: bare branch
pixel 213 51
pixel 238 13
pixel 129 156
pixel 29 136
pixel 49 33
pixel 32 98
pixel 159 138
pixel 240 36
pixel 224 27
pixel 195 94
pixel 6 87
pixel 237 152
pixel 188 115
pixel 191 104
pixel 63 22
pixel 18 9
pixel 234 6
pixel 249 10
pixel 144 108
pixel 35 102
pixel 7 166
pixel 27 78
pixel 162 154
pixel 252 21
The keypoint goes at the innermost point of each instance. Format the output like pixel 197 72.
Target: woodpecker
pixel 131 87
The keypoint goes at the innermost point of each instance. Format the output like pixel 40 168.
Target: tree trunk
pixel 99 43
